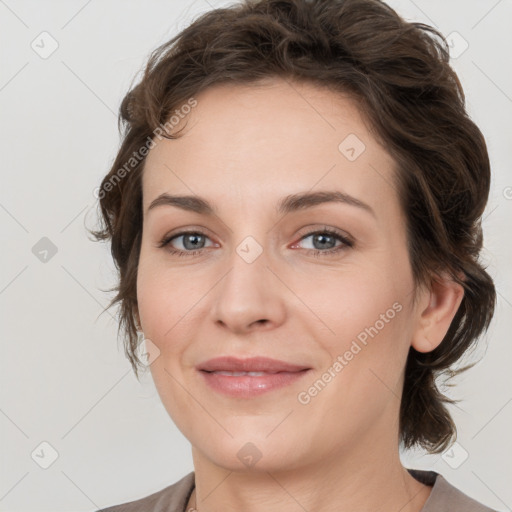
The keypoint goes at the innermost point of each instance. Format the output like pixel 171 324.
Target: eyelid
pixel 181 232
pixel 322 228
pixel 347 241
pixel 304 233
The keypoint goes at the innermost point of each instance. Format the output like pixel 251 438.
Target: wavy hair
pixel 398 72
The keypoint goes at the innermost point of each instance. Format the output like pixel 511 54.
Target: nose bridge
pixel 249 292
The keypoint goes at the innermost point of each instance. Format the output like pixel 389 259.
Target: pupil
pixel 189 238
pixel 324 237
pixel 194 240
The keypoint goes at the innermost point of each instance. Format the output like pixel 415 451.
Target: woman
pixel 295 214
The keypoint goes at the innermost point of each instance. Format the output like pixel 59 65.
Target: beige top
pixel 174 498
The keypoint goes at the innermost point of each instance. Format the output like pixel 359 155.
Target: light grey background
pixel 64 378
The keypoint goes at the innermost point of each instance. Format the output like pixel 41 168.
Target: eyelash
pixel 347 243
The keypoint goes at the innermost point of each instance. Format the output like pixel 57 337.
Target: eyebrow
pixel 288 204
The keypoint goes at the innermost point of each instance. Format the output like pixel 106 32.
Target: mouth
pixel 240 374
pixel 247 378
pixel 250 365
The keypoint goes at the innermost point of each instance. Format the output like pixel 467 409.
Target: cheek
pixel 173 304
pixel 365 314
pixel 366 357
pixel 160 298
pixel 165 309
pixel 369 331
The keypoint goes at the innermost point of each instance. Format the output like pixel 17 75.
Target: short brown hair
pixel 399 75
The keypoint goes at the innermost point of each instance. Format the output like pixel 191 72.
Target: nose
pixel 249 297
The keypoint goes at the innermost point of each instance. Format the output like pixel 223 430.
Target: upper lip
pixel 251 364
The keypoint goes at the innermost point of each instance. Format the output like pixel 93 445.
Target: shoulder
pixel 170 499
pixel 444 496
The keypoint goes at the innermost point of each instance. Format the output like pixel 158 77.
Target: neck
pixel 357 480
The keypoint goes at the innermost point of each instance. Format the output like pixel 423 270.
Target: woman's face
pixel 248 284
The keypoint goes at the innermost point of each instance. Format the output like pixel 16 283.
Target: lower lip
pixel 247 386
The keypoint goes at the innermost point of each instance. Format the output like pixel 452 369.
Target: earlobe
pixel 434 320
pixel 422 344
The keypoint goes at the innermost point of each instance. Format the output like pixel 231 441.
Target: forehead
pixel 264 141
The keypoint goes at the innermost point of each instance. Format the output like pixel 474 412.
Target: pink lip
pixel 251 364
pixel 278 374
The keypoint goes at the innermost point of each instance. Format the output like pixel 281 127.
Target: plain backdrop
pixel 69 399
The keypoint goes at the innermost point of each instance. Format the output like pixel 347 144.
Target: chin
pixel 252 453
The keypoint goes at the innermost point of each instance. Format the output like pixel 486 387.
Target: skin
pixel 243 149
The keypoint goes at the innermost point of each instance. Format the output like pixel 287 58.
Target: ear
pixel 436 311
